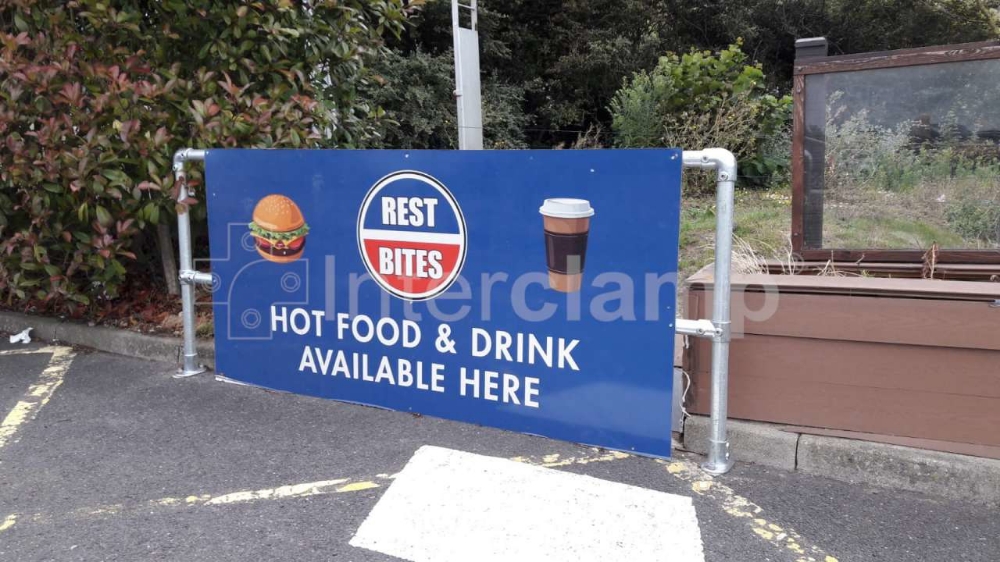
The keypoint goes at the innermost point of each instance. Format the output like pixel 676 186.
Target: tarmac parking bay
pixel 109 458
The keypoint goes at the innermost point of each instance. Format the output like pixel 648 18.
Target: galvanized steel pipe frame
pixel 724 164
pixel 189 277
pixel 718 159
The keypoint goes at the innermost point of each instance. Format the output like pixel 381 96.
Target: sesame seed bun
pixel 278 213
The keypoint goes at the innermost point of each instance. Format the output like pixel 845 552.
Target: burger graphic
pixel 279 229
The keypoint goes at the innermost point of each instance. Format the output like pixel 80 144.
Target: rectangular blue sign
pixel 527 290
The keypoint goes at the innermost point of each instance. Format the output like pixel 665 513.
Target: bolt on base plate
pixel 185 373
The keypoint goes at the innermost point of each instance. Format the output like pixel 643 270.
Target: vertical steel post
pixel 468 94
pixel 724 164
pixel 188 276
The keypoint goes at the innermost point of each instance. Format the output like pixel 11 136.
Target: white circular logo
pixel 411 235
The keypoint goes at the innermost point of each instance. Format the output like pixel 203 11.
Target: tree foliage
pixel 702 99
pixel 570 56
pixel 97 95
pixel 769 29
pixel 417 92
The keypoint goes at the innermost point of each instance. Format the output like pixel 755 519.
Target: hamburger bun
pixel 278 213
pixel 279 229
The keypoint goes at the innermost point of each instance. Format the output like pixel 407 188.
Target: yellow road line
pixel 336 486
pixel 8 522
pixel 322 487
pixel 704 485
pixel 38 394
pixel 737 506
pixel 282 492
pixel 555 461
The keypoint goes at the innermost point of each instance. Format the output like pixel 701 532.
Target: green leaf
pixel 117 177
pixel 103 216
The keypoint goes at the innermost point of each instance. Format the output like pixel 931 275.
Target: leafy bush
pixel 417 93
pixel 96 97
pixel 976 220
pixel 699 100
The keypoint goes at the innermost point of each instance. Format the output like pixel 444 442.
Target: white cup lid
pixel 564 208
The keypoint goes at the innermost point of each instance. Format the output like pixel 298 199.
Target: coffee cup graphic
pixel 567 224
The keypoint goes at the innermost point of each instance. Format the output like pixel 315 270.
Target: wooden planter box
pixel 907 361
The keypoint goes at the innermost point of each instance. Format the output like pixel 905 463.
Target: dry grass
pixel 746 260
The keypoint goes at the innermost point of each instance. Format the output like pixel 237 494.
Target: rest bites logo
pixel 411 235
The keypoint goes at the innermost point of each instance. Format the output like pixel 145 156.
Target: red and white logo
pixel 411 235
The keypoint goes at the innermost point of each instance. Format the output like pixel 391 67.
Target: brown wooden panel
pixel 907 270
pixel 945 417
pixel 896 59
pixel 756 394
pixel 922 322
pixel 908 51
pixel 944 256
pixel 920 392
pixel 965 372
pixel 798 161
pixel 859 286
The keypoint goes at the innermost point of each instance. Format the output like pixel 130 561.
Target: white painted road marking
pixel 451 506
pixel 38 394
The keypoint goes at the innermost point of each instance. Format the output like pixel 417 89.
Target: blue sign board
pixel 527 290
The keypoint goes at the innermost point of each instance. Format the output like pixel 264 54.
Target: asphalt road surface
pixel 109 458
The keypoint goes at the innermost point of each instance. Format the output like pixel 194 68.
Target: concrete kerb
pixel 937 473
pixel 932 472
pixel 758 443
pixel 112 340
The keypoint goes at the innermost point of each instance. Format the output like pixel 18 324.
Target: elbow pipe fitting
pixel 718 159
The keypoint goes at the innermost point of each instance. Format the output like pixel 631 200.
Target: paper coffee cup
pixel 567 225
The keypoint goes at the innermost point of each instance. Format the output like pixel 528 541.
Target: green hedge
pixel 97 95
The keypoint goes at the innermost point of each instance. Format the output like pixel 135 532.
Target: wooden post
pixel 166 247
pixel 810 126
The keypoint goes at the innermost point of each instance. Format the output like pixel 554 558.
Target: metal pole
pixel 468 95
pixel 724 163
pixel 188 276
